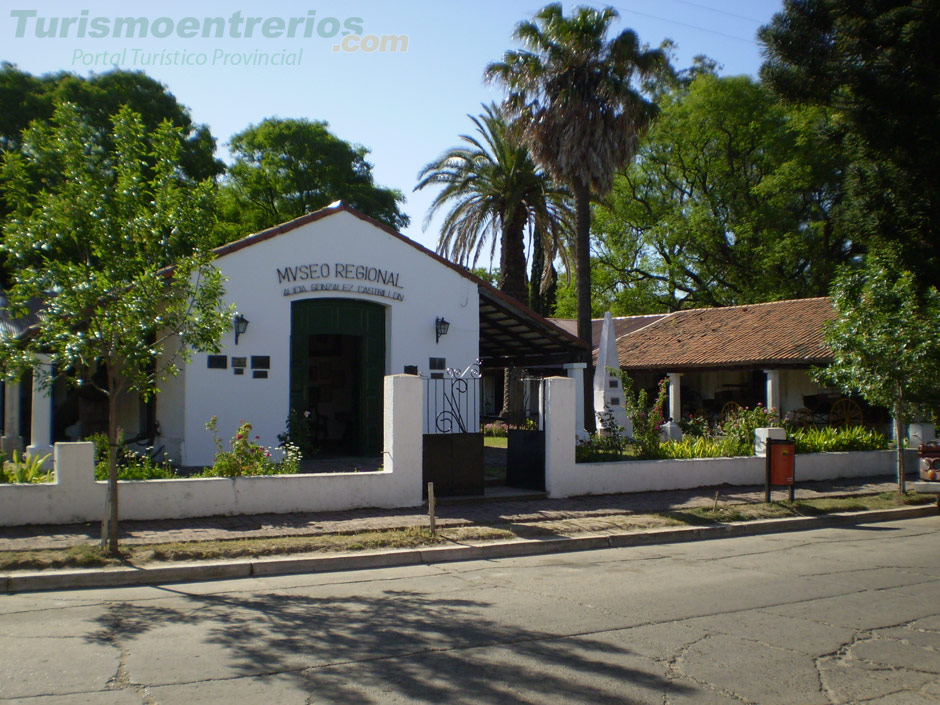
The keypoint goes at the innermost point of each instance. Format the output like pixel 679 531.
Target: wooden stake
pixel 431 503
pixel 715 508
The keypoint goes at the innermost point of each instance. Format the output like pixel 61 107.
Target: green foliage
pixel 883 337
pixel 25 469
pixel 97 98
pixel 601 448
pixel 728 181
pixel 131 465
pixel 884 341
pixel 115 251
pixel 697 426
pixel 496 193
pixel 572 95
pixel 647 422
pixel 300 434
pixel 740 425
pixel 284 168
pixel 102 240
pixel 246 457
pixel 874 64
pixel 702 447
pixel 830 439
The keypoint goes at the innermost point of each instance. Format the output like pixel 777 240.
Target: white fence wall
pixel 75 496
pixel 565 478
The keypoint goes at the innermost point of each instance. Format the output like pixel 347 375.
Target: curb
pixel 268 567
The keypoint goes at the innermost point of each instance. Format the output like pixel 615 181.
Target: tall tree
pixel 284 168
pixel 27 99
pixel 570 90
pixel 116 251
pixel 884 341
pixel 495 192
pixel 729 201
pixel 876 64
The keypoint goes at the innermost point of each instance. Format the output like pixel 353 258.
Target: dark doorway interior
pixel 333 391
pixel 337 368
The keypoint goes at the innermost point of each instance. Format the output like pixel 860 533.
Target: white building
pixel 329 304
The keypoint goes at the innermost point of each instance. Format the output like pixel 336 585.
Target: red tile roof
pixel 785 333
pixel 622 325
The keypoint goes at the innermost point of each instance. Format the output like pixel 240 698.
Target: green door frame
pixel 343 317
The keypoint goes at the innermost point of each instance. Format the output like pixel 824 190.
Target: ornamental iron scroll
pixel 453 400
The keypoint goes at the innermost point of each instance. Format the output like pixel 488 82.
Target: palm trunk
pixel 512 258
pixel 582 199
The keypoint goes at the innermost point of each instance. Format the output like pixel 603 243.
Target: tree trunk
pixel 114 434
pixel 899 439
pixel 582 199
pixel 512 258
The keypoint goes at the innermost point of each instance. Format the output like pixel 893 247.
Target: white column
pixel 575 371
pixel 675 397
pixel 773 390
pixel 41 421
pixel 403 421
pixel 12 440
pixel 560 469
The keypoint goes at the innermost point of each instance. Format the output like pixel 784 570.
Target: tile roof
pixel 622 325
pixel 776 333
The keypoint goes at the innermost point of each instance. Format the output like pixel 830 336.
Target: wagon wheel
pixel 802 418
pixel 845 412
pixel 729 409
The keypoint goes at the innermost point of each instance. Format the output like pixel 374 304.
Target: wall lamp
pixel 440 328
pixel 241 325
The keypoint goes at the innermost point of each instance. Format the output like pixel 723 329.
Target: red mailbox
pixel 781 455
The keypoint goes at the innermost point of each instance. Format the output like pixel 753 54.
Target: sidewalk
pixel 579 513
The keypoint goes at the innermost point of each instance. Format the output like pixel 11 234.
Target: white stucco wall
pixel 75 496
pixel 427 289
pixel 566 478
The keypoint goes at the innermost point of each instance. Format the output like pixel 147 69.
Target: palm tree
pixel 495 192
pixel 570 93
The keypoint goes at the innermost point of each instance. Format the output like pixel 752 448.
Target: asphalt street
pixel 845 615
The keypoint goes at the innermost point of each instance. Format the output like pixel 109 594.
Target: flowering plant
pixel 246 457
pixel 647 424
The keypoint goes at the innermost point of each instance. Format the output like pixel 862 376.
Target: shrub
pixel 246 457
pixel 830 439
pixel 695 426
pixel 647 423
pixel 740 425
pixel 131 465
pixel 24 469
pixel 701 447
pixel 601 449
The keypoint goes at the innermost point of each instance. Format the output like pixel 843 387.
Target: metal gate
pixel 525 456
pixel 453 444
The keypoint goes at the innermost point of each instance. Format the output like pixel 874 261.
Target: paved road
pixel 826 616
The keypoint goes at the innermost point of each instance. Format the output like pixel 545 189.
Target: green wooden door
pixel 348 338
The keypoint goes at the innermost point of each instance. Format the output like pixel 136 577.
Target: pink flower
pixel 239 437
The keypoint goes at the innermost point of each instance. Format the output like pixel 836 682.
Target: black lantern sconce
pixel 440 328
pixel 241 325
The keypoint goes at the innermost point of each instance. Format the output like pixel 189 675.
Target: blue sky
pixel 406 106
